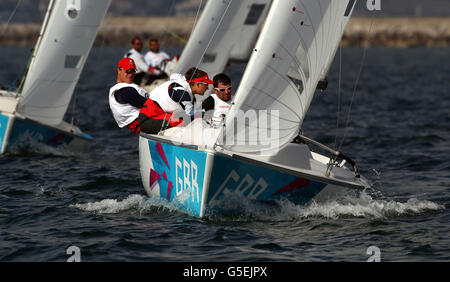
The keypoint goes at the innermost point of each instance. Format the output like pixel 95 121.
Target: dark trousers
pixel 152 126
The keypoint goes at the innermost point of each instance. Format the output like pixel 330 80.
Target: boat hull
pixel 200 182
pixel 16 132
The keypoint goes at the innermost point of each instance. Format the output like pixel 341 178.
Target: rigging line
pixel 36 46
pixel 173 34
pixel 164 125
pixel 97 67
pixel 339 96
pixel 196 17
pixel 355 87
pixel 214 33
pixel 332 34
pixel 171 7
pixel 5 27
pixel 212 37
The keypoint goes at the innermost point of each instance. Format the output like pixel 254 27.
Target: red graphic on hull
pixel 294 185
pixel 155 176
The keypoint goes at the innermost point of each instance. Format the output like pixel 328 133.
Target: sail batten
pixel 293 53
pixel 67 36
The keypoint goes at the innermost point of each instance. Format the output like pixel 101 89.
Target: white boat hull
pixel 198 181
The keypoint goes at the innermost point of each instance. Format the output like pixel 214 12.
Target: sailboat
pixel 224 34
pixel 263 158
pixel 34 112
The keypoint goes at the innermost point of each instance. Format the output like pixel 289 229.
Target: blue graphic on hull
pixel 180 173
pixel 258 183
pixel 24 131
pixel 3 126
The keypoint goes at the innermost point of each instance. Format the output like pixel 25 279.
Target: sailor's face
pixel 154 46
pixel 199 88
pixel 125 76
pixel 223 91
pixel 137 45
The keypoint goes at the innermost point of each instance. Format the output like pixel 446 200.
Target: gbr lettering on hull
pixel 246 186
pixel 186 174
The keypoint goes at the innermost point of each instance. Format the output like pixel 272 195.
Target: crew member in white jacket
pixel 142 69
pixel 126 98
pixel 217 105
pixel 156 59
pixel 176 95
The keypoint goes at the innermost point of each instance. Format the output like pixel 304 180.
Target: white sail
pixel 59 58
pixel 226 30
pixel 293 52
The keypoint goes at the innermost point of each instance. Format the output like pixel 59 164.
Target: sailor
pixel 174 96
pixel 127 100
pixel 216 106
pixel 157 59
pixel 142 69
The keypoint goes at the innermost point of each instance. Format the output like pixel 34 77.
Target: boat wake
pixel 30 145
pixel 239 208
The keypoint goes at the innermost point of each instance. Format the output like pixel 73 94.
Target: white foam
pixel 362 205
pixel 242 208
pixel 133 202
pixel 111 206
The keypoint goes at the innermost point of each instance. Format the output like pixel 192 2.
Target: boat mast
pixel 36 46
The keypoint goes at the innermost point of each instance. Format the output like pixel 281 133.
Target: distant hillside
pixel 34 10
pixel 393 32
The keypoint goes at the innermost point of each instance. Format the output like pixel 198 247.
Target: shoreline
pixel 364 32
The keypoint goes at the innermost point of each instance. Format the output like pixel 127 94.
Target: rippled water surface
pixel 398 132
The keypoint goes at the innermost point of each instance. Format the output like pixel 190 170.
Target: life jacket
pixel 221 107
pixel 152 110
pixel 220 111
pixel 124 114
pixel 161 93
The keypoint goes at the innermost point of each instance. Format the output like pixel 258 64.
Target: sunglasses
pixel 223 89
pixel 130 71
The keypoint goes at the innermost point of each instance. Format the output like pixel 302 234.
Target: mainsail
pixel 227 30
pixel 59 57
pixel 294 51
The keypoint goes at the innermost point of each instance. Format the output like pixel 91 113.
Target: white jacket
pixel 155 59
pixel 141 65
pixel 124 114
pixel 161 94
pixel 221 109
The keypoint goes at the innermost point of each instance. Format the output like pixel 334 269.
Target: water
pixel 398 133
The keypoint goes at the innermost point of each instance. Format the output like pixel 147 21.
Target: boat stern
pixel 178 174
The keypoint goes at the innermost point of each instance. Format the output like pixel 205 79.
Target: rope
pixel 355 87
pixel 5 27
pixel 204 52
pixel 2 33
pixel 339 97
